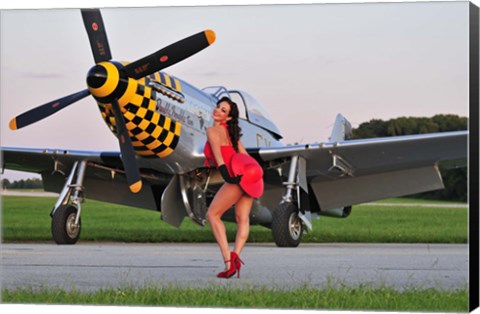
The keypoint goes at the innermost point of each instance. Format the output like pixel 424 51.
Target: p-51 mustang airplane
pixel 160 122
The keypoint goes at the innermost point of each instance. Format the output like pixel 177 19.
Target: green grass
pixel 406 200
pixel 27 219
pixel 360 298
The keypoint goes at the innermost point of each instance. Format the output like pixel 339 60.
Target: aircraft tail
pixel 342 129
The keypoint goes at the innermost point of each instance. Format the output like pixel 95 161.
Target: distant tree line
pixel 455 180
pixel 22 184
pixel 410 125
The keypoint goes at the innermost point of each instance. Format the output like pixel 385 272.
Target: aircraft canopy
pixel 250 108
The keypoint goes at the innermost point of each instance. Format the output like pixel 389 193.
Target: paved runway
pixel 93 266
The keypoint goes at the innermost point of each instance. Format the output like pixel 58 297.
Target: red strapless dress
pixel 227 154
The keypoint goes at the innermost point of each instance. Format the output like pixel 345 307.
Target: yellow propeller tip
pixel 136 187
pixel 13 124
pixel 210 36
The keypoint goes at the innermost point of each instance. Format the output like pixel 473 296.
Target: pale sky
pixel 304 63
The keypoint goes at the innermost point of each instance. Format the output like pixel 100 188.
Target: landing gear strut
pixel 287 219
pixel 66 223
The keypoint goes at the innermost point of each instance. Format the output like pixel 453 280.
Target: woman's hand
pixel 226 176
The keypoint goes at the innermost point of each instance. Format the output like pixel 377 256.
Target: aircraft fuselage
pixel 166 117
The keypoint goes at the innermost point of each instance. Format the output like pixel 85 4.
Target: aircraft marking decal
pixel 152 134
pixel 166 85
pixel 170 82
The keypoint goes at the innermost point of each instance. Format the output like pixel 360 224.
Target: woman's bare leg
pixel 242 215
pixel 228 195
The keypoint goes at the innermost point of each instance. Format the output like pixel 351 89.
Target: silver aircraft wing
pixel 104 178
pixel 350 172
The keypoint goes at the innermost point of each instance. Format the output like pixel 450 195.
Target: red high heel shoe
pixel 229 272
pixel 237 262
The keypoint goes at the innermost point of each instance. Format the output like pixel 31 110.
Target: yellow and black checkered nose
pixel 152 134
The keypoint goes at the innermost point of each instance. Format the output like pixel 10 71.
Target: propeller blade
pixel 126 148
pixel 170 55
pixel 43 111
pixel 92 18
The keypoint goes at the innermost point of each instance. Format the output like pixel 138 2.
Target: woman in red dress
pixel 223 142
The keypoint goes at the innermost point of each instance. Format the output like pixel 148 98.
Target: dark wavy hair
pixel 234 129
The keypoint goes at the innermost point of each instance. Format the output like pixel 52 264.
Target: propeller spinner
pixel 108 80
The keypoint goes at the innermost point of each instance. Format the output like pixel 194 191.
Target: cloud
pixel 39 75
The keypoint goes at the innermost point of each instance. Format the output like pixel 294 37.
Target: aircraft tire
pixel 64 230
pixel 287 227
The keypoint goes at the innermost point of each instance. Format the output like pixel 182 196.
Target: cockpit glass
pixel 216 91
pixel 249 107
pixel 253 106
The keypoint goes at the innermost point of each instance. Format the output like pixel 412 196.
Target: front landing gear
pixel 288 219
pixel 64 228
pixel 287 227
pixel 66 223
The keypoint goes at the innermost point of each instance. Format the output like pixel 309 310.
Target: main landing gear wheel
pixel 64 229
pixel 287 227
